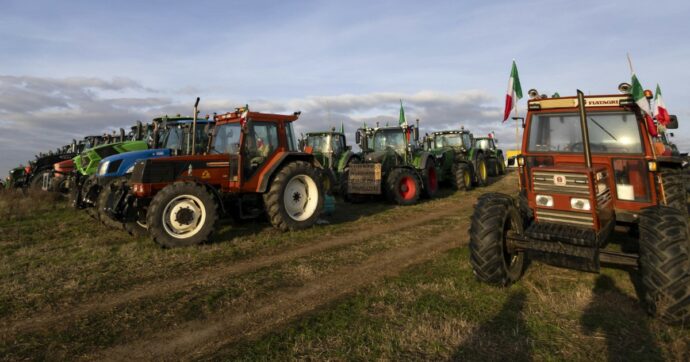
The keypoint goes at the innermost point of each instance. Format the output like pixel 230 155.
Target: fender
pixel 345 160
pixel 267 175
pixel 420 160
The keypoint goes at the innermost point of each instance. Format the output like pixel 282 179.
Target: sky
pixel 72 68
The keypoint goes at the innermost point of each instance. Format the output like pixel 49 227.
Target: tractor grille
pixel 565 217
pixel 572 183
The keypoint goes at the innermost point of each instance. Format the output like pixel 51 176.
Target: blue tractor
pixel 171 138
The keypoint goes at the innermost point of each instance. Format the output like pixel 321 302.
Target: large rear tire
pixel 296 197
pixel 665 263
pixel 495 215
pixel 403 187
pixel 182 214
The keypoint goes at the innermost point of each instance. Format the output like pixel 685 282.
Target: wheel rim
pixel 433 180
pixel 184 216
pixel 482 170
pixel 468 179
pixel 407 188
pixel 301 197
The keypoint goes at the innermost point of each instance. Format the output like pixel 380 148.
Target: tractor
pixel 331 150
pixel 392 163
pixel 32 175
pixel 590 164
pixel 253 168
pixel 172 138
pixel 459 164
pixel 495 161
pixel 83 180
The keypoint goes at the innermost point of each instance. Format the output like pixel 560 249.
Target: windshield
pixel 176 138
pixel 449 140
pixel 227 139
pixel 319 143
pixel 609 132
pixel 393 138
pixel 482 144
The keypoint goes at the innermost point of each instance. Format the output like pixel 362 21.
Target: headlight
pixel 652 166
pixel 579 204
pixel 544 200
pixel 103 168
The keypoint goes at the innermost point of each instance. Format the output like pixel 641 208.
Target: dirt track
pixel 256 316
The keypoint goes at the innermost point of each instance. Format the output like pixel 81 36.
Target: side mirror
pixel 358 137
pixel 673 124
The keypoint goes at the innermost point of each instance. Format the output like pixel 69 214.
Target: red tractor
pixel 252 168
pixel 588 165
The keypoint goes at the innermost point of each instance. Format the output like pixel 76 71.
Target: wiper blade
pixel 603 129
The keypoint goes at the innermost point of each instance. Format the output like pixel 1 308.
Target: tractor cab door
pixel 259 145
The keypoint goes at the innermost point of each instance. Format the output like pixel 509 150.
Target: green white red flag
pixel 660 112
pixel 643 103
pixel 513 93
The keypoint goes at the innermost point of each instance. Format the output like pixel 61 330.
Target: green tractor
pixel 495 161
pixel 391 163
pixel 331 150
pixel 460 165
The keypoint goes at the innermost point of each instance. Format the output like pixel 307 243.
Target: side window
pixel 292 146
pixel 260 144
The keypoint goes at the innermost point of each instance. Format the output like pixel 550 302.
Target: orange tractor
pixel 589 164
pixel 252 168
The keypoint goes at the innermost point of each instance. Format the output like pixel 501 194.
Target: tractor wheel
pixel 403 186
pixel 36 183
pixel 296 197
pixel 665 263
pixel 103 196
pixel 328 181
pixel 136 228
pixel 430 178
pixel 674 189
pixel 462 176
pixel 482 171
pixel 495 215
pixel 501 165
pixel 85 188
pixel 182 214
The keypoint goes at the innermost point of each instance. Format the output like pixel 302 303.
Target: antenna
pixel 630 63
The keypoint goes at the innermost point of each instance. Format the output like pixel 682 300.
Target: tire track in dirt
pixel 108 301
pixel 198 338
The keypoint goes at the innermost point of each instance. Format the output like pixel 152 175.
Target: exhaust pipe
pixel 196 113
pixel 583 127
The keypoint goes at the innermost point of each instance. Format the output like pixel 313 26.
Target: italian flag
pixel 641 100
pixel 638 95
pixel 514 91
pixel 661 113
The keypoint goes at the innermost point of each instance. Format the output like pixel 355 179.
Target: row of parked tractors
pixel 176 176
pixel 590 167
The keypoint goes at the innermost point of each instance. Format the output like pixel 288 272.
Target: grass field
pixel 375 282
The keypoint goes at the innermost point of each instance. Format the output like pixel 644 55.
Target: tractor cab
pixel 326 146
pixel 388 142
pixel 460 141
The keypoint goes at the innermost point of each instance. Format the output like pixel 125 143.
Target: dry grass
pixel 17 204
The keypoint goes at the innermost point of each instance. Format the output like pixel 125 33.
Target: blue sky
pixel 69 68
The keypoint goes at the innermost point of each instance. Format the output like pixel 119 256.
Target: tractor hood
pixel 65 166
pixel 123 163
pixel 377 156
